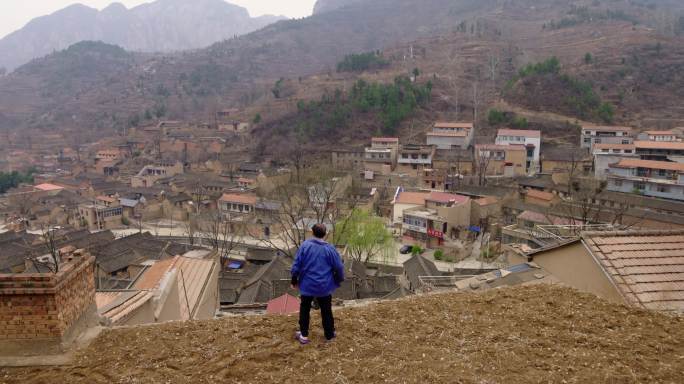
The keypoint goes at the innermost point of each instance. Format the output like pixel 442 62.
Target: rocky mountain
pixel 322 6
pixel 465 47
pixel 161 26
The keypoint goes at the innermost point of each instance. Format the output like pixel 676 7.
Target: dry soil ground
pixel 534 334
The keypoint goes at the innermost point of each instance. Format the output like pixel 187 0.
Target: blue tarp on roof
pixel 235 265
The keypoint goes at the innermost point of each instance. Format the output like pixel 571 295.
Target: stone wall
pixel 42 312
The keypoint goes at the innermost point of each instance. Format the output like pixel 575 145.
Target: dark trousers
pixel 326 314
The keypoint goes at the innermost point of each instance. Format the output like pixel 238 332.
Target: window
pixel 605 150
pixel 530 153
pixel 617 183
pixel 663 189
pixel 597 141
pixel 628 151
pixel 587 140
pixel 625 141
pixel 640 186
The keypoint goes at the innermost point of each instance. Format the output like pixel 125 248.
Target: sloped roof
pixel 48 187
pixel 248 199
pixel 417 198
pixel 519 132
pixel 606 128
pixel 650 164
pixel 660 133
pixel 418 266
pixel 443 197
pixel 448 134
pixel 283 305
pixel 675 145
pixel 442 124
pixel 536 194
pixel 647 267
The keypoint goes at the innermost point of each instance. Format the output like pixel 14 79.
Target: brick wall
pixel 46 306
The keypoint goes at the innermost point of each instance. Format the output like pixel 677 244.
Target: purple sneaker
pixel 302 340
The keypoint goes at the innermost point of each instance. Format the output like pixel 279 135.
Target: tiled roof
pixel 605 128
pixel 519 132
pixel 637 163
pixel 442 124
pixel 48 187
pixel 500 147
pixel 238 198
pixel 417 198
pixel 448 134
pixel 194 276
pixel 443 197
pixel 152 277
pixel 660 133
pixel 533 193
pixel 677 145
pixel 613 146
pixel 541 218
pixel 383 139
pixel 646 267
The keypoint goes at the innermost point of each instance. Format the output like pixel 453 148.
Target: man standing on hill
pixel 317 272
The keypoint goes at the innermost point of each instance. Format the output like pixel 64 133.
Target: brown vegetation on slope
pixel 535 334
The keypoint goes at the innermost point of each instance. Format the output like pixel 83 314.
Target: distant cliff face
pixel 164 25
pixel 330 5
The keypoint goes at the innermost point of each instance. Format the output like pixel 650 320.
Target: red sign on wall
pixel 435 233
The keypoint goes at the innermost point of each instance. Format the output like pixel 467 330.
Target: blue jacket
pixel 317 268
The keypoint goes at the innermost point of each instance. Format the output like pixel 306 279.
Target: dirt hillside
pixel 534 334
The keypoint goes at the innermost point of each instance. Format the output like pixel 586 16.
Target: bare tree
pixel 49 237
pixel 482 157
pixel 221 233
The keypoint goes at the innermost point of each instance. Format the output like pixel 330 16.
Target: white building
pixel 647 177
pixel 666 136
pixel 530 139
pixel 451 135
pixel 607 154
pixel 605 135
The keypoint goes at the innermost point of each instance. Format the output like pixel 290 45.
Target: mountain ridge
pixel 160 26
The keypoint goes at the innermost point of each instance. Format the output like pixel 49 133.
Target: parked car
pixel 406 249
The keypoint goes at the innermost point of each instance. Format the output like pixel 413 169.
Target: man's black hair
pixel 319 230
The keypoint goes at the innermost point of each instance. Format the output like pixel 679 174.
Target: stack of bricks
pixel 46 306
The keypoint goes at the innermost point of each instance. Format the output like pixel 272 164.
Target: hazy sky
pixel 14 14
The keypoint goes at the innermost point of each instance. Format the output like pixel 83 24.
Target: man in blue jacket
pixel 317 272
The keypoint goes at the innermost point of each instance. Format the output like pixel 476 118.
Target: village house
pixel 150 174
pixel 607 154
pixel 442 216
pixel 413 159
pixel 348 159
pixel 501 160
pixel 605 135
pixel 660 136
pixel 414 269
pixel 643 269
pixel 567 160
pixel 451 135
pixel 531 140
pixel 536 230
pixel 647 177
pixel 660 150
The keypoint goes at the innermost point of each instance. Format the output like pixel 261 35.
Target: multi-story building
pixel 501 160
pixel 97 217
pixel 667 136
pixel 605 135
pixel 151 173
pixel 531 140
pixel 441 215
pixel 660 150
pixel 451 135
pixel 606 154
pixel 647 177
pixel 348 158
pixel 413 159
pixel 231 204
pixel 378 160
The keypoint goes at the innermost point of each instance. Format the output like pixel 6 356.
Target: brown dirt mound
pixel 523 335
